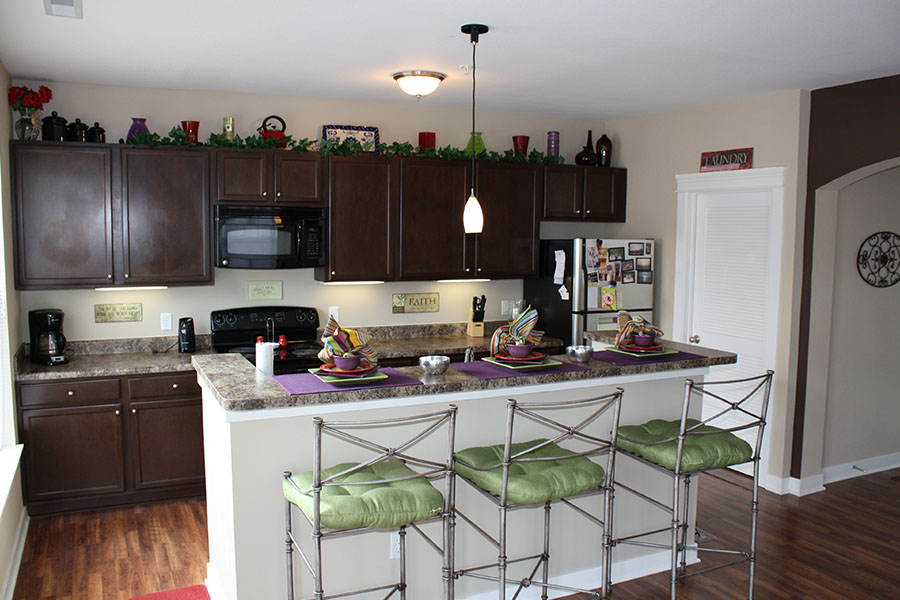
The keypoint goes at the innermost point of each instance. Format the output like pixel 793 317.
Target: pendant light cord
pixel 473 114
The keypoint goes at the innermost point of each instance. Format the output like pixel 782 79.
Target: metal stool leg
pixel 684 526
pixel 546 557
pixel 754 511
pixel 501 557
pixel 676 530
pixel 402 534
pixel 609 500
pixel 288 546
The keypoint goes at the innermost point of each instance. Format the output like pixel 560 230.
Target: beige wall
pixel 656 148
pixel 113 107
pixel 9 297
pixel 862 409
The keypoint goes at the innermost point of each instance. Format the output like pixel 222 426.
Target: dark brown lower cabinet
pixel 94 443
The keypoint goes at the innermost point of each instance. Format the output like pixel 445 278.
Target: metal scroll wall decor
pixel 878 259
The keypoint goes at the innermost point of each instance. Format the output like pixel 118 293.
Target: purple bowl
pixel 519 350
pixel 643 341
pixel 346 363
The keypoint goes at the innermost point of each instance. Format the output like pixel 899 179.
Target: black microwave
pixel 270 237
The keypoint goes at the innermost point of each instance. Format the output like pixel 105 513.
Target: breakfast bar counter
pixel 254 429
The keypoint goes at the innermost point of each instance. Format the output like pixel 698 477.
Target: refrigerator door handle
pixel 578 276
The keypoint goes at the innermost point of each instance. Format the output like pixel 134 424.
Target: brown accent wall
pixel 850 126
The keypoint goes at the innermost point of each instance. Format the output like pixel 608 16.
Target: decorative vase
pixel 604 151
pixel 138 127
pixel 587 156
pixel 520 144
pixel 552 143
pixel 476 143
pixel 191 130
pixel 25 129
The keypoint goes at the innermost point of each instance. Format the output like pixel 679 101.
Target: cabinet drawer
pixel 161 386
pixel 68 393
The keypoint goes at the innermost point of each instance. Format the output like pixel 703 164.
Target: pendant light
pixel 473 218
pixel 417 82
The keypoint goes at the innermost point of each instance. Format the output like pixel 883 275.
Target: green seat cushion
pixel 530 482
pixel 704 451
pixel 377 505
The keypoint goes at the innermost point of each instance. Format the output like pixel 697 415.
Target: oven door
pixel 266 237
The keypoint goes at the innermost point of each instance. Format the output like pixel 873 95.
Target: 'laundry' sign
pixel 726 160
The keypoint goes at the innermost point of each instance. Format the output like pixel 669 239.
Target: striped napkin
pixel 521 331
pixel 339 341
pixel 627 326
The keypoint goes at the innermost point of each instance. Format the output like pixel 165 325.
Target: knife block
pixel 474 328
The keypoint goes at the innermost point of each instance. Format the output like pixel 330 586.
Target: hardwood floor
pixel 114 554
pixel 840 544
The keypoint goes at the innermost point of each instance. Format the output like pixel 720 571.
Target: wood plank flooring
pixel 115 554
pixel 840 544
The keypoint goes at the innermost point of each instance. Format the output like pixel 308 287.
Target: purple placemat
pixel 307 383
pixel 485 370
pixel 623 360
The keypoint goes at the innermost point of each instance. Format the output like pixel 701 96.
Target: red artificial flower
pixel 22 98
pixel 45 94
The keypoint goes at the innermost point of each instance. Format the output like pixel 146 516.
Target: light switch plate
pixel 334 311
pixel 165 321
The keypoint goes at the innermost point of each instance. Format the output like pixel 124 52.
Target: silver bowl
pixel 434 364
pixel 580 354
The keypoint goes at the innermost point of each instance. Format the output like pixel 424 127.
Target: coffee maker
pixel 47 339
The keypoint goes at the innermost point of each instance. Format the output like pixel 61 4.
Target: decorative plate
pixel 522 366
pixel 367 136
pixel 533 357
pixel 626 345
pixel 363 368
pixel 663 352
pixel 339 380
pixel 878 259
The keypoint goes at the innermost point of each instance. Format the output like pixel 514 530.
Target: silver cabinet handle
pixel 694 339
pixel 71 392
pixel 587 212
pixel 278 195
pixel 174 386
pixel 134 411
pixel 333 272
pixel 578 212
pixel 478 269
pixel 109 275
pixel 118 412
pixel 127 275
pixel 265 194
pixel 468 269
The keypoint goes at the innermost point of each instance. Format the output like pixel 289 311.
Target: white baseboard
pixel 866 466
pixel 806 485
pixel 593 578
pixel 212 583
pixel 16 558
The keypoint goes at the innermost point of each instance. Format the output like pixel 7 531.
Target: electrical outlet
pixel 395 545
pixel 505 307
pixel 334 311
pixel 165 321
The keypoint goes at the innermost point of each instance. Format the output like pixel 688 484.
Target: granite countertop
pixel 440 344
pixel 107 365
pixel 238 386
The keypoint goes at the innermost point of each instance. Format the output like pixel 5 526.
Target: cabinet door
pixel 510 197
pixel 604 194
pixel 243 176
pixel 433 244
pixel 63 216
pixel 72 452
pixel 362 218
pixel 563 192
pixel 299 179
pixel 167 442
pixel 165 213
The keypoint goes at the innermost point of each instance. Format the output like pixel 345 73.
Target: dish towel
pixel 521 330
pixel 627 326
pixel 338 341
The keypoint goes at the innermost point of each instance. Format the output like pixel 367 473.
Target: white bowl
pixel 434 364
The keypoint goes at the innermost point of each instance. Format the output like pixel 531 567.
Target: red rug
pixel 195 592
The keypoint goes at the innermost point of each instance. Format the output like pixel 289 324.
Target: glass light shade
pixel 418 83
pixel 473 218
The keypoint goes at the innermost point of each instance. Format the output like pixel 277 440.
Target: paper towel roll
pixel 265 357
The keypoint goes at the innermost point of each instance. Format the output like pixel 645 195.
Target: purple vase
pixel 552 143
pixel 138 126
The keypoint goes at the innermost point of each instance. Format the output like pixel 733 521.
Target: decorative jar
pixel 476 143
pixel 138 127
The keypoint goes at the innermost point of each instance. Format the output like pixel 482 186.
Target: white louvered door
pixel 729 258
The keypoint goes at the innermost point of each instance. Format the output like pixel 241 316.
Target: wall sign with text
pixel 726 160
pixel 416 303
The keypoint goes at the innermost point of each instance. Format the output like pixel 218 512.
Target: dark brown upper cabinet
pixel 362 215
pixel 577 193
pixel 432 242
pixel 510 196
pixel 90 215
pixel 63 214
pixel 165 216
pixel 267 176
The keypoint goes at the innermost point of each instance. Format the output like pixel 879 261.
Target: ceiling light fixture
pixel 473 218
pixel 418 83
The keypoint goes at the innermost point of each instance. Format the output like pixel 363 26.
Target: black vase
pixel 587 156
pixel 604 151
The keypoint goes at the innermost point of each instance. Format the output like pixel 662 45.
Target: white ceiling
pixel 597 60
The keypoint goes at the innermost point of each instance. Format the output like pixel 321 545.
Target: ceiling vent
pixel 63 8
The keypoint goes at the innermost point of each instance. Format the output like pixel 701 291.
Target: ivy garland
pixel 347 147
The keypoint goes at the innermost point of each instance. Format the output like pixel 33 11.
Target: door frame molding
pixel 688 188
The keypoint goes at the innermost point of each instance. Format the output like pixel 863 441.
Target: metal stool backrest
pixel 540 412
pixel 431 469
pixel 747 389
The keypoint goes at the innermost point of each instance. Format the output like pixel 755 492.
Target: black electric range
pixel 293 327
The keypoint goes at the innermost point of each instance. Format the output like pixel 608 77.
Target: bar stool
pixel 392 490
pixel 686 447
pixel 539 473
